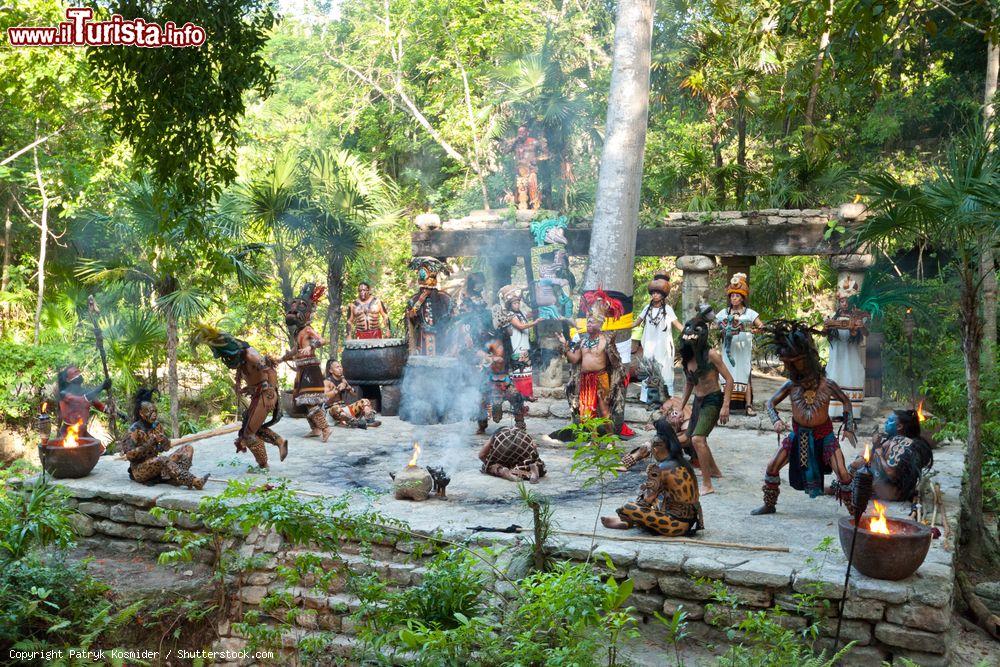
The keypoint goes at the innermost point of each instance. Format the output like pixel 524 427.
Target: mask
pixel 891 425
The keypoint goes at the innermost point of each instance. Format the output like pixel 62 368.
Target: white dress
pixel 658 342
pixel 846 367
pixel 741 350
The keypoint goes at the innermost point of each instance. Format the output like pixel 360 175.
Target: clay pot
pixel 70 462
pixel 413 483
pixel 891 557
pixel 374 360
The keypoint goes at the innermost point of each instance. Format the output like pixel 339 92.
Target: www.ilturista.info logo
pixel 79 30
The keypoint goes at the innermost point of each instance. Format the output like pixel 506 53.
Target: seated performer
pixel 261 376
pixel 75 401
pixel 144 443
pixel 512 454
pixel 366 315
pixel 898 458
pixel 499 388
pixel 668 501
pixel 811 450
pixel 359 414
pixel 703 367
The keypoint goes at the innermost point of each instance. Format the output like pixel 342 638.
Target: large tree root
pixel 986 619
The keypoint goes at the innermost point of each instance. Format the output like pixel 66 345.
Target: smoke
pixel 441 390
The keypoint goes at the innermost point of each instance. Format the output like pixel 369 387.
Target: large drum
pixel 374 360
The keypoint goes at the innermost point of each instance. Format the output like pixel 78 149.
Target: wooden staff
pixel 99 339
pixel 195 437
pixel 686 540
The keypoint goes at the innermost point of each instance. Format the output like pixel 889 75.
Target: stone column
pixel 498 274
pixel 695 270
pixel 851 266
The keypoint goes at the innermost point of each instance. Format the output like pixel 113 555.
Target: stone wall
pixel 908 619
pixel 771 216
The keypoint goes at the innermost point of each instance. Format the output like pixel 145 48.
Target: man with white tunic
pixel 738 322
pixel 658 321
pixel 846 330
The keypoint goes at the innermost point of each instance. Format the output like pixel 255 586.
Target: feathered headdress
pixel 223 345
pixel 848 288
pixel 599 305
pixel 789 339
pixel 428 268
pixel 550 230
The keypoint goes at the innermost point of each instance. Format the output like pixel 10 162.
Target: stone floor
pixel 356 459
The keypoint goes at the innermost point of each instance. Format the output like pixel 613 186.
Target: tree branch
pixel 955 15
pixel 33 144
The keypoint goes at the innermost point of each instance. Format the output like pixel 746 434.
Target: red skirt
pixel 368 333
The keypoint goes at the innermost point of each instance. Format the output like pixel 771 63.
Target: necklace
pixel 591 343
pixel 660 315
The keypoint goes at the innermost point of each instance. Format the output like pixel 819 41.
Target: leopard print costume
pixel 678 511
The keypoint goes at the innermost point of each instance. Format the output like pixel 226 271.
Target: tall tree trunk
pixel 992 74
pixel 284 281
pixel 5 280
pixel 987 266
pixel 619 179
pixel 824 43
pixel 172 379
pixel 741 155
pixel 335 299
pixel 43 243
pixel 974 533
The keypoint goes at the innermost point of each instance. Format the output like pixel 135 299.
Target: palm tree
pixel 165 256
pixel 957 211
pixel 346 198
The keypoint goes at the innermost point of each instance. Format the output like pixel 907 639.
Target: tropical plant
pixel 956 211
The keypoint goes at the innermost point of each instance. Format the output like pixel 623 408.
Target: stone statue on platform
pixel 76 401
pixel 428 312
pixel 553 280
pixel 145 447
pixel 527 152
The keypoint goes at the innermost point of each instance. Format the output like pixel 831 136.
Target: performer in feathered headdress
pixel 428 312
pixel 257 377
pixel 811 450
pixel 308 389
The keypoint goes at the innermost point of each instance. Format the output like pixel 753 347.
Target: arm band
pixel 773 414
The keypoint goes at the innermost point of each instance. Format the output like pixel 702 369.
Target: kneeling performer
pixel 512 454
pixel 811 450
pixel 144 443
pixel 668 501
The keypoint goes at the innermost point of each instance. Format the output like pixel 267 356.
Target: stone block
pixel 925 659
pixel 647 603
pixel 934 591
pixel 122 513
pixel 790 621
pixel 143 497
pixel 922 617
pixel 680 586
pixel 560 410
pixel 272 542
pixel 893 592
pixel 118 529
pixel 730 215
pixel 988 589
pixel 775 220
pixel 792 604
pixel 910 638
pixel 306 620
pixel 328 622
pixel 763 572
pixel 642 580
pixel 185 503
pixel 859 656
pixel 865 610
pixel 751 597
pixel 94 509
pixel 621 556
pixel 400 573
pixel 827 581
pixel 261 578
pixel 810 212
pixel 789 212
pixel 695 610
pixel 721 616
pixel 855 631
pixel 82 524
pixel 768 211
pixel 700 566
pixel 347 625
pixel 252 594
pixel 675 216
pixel 662 560
pixel 145 518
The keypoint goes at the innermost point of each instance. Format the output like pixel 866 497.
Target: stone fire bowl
pixel 891 557
pixel 70 462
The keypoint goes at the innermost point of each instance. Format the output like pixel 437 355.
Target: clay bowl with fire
pixel 886 548
pixel 71 456
pixel 413 482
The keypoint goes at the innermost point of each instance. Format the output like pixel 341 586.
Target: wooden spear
pixel 99 339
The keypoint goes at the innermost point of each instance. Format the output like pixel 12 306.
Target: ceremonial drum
pixel 374 360
pixel 433 390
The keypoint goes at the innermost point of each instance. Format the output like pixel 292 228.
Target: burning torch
pixel 861 493
pixel 43 424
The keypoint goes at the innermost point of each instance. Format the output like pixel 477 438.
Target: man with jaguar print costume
pixel 144 444
pixel 811 450
pixel 668 501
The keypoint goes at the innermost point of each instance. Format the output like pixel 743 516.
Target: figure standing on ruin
pixel 510 321
pixel 554 281
pixel 145 447
pixel 597 378
pixel 738 321
pixel 658 321
pixel 528 151
pixel 846 330
pixel 668 502
pixel 811 450
pixel 705 376
pixel 900 455
pixel 256 377
pixel 359 414
pixel 499 387
pixel 76 402
pixel 307 391
pixel 512 454
pixel 428 312
pixel 367 315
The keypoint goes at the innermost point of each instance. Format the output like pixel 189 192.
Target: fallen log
pixel 986 619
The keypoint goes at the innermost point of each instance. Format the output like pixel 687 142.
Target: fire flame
pixel 72 433
pixel 920 412
pixel 868 452
pixel 878 524
pixel 416 455
pixel 44 405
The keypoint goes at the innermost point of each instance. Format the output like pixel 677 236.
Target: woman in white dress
pixel 658 321
pixel 846 330
pixel 737 323
pixel 509 318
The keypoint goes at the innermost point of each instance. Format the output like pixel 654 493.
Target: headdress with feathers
pixel 540 229
pixel 599 304
pixel 142 395
pixel 431 266
pixel 223 345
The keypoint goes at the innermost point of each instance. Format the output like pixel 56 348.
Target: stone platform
pixel 910 618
